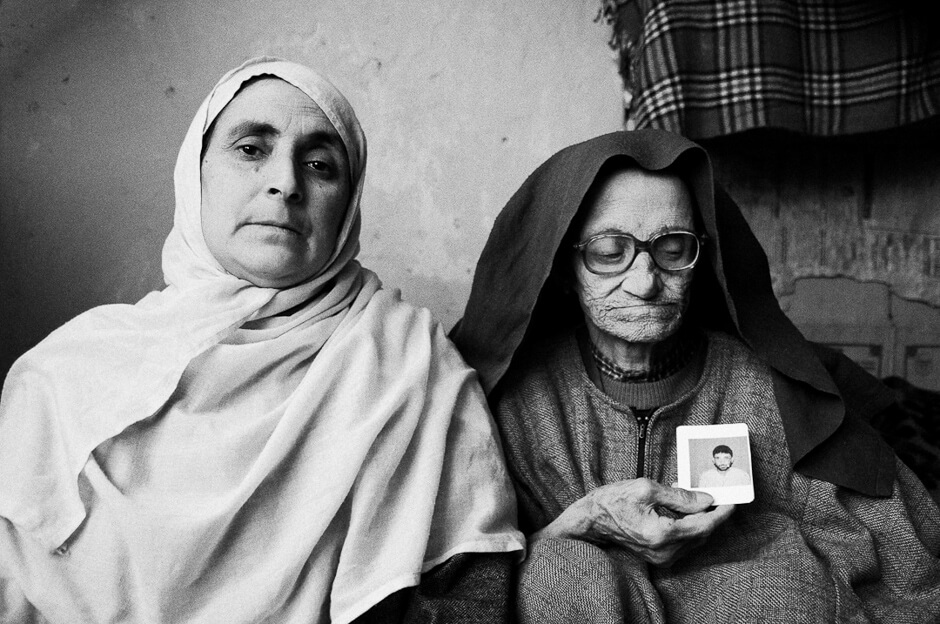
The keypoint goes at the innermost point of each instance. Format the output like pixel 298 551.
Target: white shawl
pixel 371 458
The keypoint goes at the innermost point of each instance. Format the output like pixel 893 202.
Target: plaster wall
pixel 460 101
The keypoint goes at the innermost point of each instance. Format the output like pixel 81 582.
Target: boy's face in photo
pixel 723 461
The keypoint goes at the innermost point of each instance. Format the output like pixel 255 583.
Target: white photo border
pixel 732 495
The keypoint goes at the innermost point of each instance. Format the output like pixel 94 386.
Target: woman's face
pixel 644 304
pixel 275 185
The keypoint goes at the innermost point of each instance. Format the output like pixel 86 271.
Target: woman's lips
pixel 281 226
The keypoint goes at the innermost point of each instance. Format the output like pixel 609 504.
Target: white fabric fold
pixel 367 454
pixel 116 364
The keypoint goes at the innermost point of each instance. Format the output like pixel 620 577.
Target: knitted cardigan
pixel 804 551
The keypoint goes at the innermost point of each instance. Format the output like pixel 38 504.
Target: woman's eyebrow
pixel 261 128
pixel 249 128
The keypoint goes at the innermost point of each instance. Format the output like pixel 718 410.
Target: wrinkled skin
pixel 629 314
pixel 628 317
pixel 627 514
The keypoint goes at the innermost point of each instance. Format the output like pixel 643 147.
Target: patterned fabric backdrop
pixel 707 68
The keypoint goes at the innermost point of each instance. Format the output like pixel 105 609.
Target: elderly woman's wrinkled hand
pixel 655 522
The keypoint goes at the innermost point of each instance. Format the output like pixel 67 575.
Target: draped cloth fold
pixel 186 468
pixel 806 549
pixel 513 301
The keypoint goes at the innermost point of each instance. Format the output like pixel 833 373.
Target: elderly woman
pixel 620 295
pixel 273 437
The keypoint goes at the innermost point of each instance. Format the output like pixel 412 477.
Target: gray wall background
pixel 460 101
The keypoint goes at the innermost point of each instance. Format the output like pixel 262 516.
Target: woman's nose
pixel 285 179
pixel 642 279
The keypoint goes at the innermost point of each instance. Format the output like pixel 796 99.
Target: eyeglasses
pixel 610 254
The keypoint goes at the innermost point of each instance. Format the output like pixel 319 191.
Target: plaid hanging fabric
pixel 706 68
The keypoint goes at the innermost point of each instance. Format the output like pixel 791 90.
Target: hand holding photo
pixel 716 459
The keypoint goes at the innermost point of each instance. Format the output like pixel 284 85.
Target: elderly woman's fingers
pixel 679 500
pixel 655 493
pixel 701 525
pixel 674 538
pixel 630 514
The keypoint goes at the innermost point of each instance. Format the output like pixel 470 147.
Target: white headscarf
pixel 117 364
pixel 187 261
pixel 385 439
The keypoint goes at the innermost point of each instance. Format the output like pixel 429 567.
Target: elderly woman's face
pixel 644 304
pixel 275 186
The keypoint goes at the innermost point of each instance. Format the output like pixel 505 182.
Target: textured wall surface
pixel 860 208
pixel 459 101
pixel 852 233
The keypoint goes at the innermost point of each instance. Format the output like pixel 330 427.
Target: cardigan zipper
pixel 641 448
pixel 644 419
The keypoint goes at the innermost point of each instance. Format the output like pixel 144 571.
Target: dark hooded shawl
pixel 825 400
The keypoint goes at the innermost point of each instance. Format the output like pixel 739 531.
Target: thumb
pixel 683 501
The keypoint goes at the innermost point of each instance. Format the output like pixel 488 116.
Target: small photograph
pixel 722 472
pixel 716 459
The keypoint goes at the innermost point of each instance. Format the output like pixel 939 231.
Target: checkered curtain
pixel 705 68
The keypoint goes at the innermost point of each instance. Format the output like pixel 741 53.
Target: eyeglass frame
pixel 641 245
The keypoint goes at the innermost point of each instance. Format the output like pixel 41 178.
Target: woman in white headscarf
pixel 271 438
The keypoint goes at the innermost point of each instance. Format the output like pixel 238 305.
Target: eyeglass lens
pixel 672 251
